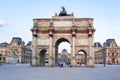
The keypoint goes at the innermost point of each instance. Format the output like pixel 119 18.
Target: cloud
pixel 2 23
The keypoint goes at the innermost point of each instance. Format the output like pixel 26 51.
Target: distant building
pixel 27 56
pixel 98 52
pixel 3 51
pixel 29 45
pixel 109 53
pixel 15 52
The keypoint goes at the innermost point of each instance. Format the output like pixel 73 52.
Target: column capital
pixel 35 35
pixel 90 32
pixel 73 35
pixel 89 35
pixel 50 35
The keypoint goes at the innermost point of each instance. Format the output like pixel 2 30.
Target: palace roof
pixel 97 44
pixel 3 44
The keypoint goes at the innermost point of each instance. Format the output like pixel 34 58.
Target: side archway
pixel 42 57
pixel 81 58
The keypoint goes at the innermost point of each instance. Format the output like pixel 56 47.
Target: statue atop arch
pixel 63 9
pixel 63 12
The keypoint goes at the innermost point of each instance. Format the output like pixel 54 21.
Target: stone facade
pixel 15 52
pixel 27 53
pixel 48 33
pixel 109 53
pixel 3 51
pixel 99 58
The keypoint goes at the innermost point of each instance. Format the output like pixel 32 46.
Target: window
pixel 108 54
pixel 112 54
pixel 117 54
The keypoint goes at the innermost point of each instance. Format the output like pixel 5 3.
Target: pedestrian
pixel 22 63
pixel 80 63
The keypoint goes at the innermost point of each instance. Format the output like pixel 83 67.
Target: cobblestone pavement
pixel 25 72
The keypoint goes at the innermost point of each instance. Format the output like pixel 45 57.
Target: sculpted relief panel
pixel 83 41
pixel 43 41
pixel 82 23
pixel 43 24
pixel 62 23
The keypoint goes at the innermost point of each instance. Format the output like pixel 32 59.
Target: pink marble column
pixel 91 62
pixel 73 36
pixel 51 42
pixel 51 49
pixel 34 49
pixel 73 59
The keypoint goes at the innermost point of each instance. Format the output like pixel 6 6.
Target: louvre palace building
pixel 15 52
pixel 109 53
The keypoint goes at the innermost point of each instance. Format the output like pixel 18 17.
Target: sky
pixel 16 16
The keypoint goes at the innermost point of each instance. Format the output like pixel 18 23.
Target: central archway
pixel 56 49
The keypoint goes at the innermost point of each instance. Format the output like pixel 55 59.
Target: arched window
pixel 116 54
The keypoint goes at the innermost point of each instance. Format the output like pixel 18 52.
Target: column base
pixel 91 63
pixel 50 62
pixel 73 62
pixel 35 62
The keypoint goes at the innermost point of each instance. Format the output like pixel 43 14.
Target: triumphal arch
pixel 48 33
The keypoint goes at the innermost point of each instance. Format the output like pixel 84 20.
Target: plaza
pixel 26 72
